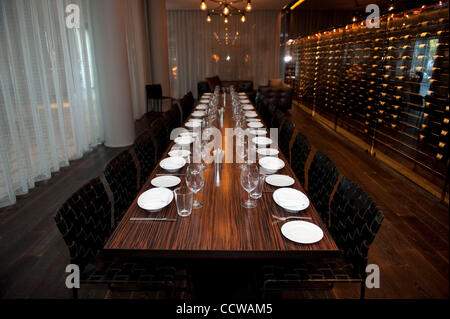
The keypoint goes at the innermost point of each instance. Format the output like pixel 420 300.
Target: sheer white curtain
pixel 198 49
pixel 49 110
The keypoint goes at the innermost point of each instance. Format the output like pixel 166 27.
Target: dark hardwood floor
pixel 411 247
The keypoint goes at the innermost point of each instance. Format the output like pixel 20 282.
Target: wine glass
pixel 249 181
pixel 195 181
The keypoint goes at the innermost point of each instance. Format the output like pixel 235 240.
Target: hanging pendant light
pixel 203 5
pixel 226 10
pixel 208 18
pixel 226 19
pixel 243 18
pixel 248 7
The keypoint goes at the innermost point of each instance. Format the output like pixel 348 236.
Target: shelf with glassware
pixel 388 86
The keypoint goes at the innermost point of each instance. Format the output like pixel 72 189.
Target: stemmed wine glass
pixel 195 181
pixel 249 181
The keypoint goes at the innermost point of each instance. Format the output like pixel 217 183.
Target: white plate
pixel 279 180
pixel 248 108
pixel 268 151
pixel 184 140
pixel 198 113
pixel 302 232
pixel 291 199
pixel 179 153
pixel 258 131
pixel 172 163
pixel 204 101
pixel 195 120
pixel 193 124
pixel 251 114
pixel 166 181
pixel 271 164
pixel 253 120
pixel 261 140
pixel 201 107
pixel 255 124
pixel 155 199
pixel 207 94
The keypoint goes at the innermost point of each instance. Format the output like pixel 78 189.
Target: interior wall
pixel 198 49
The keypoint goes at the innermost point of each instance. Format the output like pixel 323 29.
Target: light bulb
pixel 226 10
pixel 208 18
pixel 203 5
pixel 249 6
pixel 225 20
pixel 243 18
pixel 354 19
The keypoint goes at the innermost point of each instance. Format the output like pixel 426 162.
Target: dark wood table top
pixel 222 228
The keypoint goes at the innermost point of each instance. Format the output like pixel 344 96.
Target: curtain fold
pixel 233 51
pixel 49 108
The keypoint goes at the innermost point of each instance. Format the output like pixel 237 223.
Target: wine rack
pixel 388 86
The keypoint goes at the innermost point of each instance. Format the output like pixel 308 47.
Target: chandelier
pixel 226 9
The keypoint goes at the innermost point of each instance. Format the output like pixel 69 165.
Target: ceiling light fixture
pixel 203 5
pixel 295 5
pixel 248 7
pixel 226 9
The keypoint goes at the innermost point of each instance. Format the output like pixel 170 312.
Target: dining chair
pixel 322 178
pixel 172 119
pixel 268 111
pixel 121 175
pixel 84 221
pixel 299 154
pixel 286 132
pixel 144 148
pixel 159 132
pixel 278 119
pixel 270 114
pixel 154 94
pixel 355 221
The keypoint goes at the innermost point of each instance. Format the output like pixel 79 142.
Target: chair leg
pixel 363 289
pixel 75 293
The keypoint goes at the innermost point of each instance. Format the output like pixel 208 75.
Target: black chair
pixel 268 111
pixel 84 221
pixel 322 177
pixel 172 119
pixel 121 175
pixel 355 220
pixel 159 132
pixel 278 118
pixel 286 132
pixel 144 148
pixel 187 105
pixel 154 94
pixel 299 154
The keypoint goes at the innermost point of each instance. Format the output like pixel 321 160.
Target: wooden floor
pixel 411 247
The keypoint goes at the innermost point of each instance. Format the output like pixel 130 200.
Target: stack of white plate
pixel 267 151
pixel 302 232
pixel 261 140
pixel 291 199
pixel 251 114
pixel 259 131
pixel 184 140
pixel 155 199
pixel 271 164
pixel 198 114
pixel 173 163
pixel 166 181
pixel 193 124
pixel 255 124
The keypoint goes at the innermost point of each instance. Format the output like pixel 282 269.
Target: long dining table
pixel 222 228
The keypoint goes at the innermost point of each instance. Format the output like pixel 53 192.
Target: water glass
pixel 257 192
pixel 195 181
pixel 183 199
pixel 249 180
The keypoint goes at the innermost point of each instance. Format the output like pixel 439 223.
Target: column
pixel 109 37
pixel 159 49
